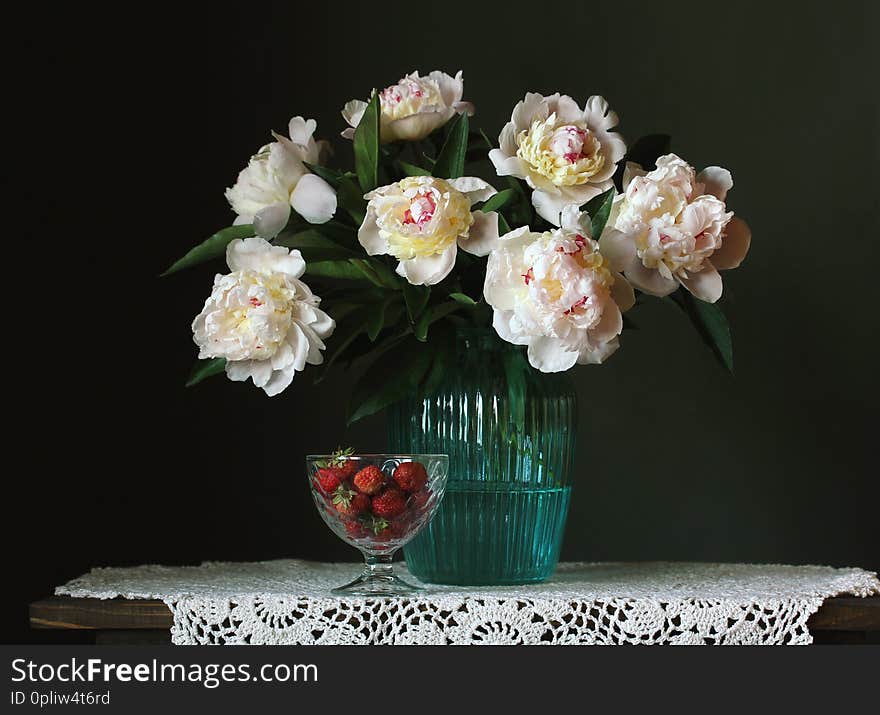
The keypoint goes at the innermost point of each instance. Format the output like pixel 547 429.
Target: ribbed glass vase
pixel 510 432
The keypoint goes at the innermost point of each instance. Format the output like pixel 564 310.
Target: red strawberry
pixel 389 503
pixel 347 469
pixel 349 503
pixel 328 479
pixel 355 529
pixel 411 476
pixel 369 480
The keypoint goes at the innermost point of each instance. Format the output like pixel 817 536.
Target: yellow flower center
pixel 566 154
pixel 422 216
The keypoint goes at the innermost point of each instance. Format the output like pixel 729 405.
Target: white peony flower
pixel 566 154
pixel 671 227
pixel 261 317
pixel 412 108
pixel 555 292
pixel 276 179
pixel 422 221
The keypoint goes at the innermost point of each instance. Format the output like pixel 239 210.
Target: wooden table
pixel 844 619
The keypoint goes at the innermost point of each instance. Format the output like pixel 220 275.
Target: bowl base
pixel 371 584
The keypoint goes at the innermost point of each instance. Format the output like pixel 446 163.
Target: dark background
pixel 123 129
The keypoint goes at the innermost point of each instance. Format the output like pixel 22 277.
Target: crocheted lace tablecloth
pixel 288 602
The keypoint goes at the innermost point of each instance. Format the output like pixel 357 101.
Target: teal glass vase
pixel 510 433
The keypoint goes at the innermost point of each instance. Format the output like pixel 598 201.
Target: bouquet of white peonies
pixel 550 254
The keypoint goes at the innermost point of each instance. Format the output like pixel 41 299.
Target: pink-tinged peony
pixel 671 227
pixel 566 154
pixel 412 108
pixel 423 221
pixel 261 317
pixel 555 293
pixel 276 180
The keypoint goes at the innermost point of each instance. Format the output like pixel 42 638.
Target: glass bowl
pixel 377 503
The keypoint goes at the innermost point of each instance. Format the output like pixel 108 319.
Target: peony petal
pixel 451 88
pixel 507 140
pixel 576 221
pixel 705 285
pixel 735 244
pixel 551 355
pixel 353 111
pixel 567 110
pixel 465 108
pixel 532 107
pixel 256 254
pixel 347 133
pixel 483 234
pixel 501 321
pixel 622 293
pixel 649 280
pixel 630 172
pixel 549 206
pixel 323 325
pixel 609 325
pixel 597 354
pixel 314 199
pixel 269 222
pixel 299 344
pixel 258 370
pixel 716 181
pixel 508 165
pixel 472 187
pixel 369 236
pixel 428 270
pixel 301 130
pixel 416 126
pixel 598 114
pixel 618 247
pixel 279 381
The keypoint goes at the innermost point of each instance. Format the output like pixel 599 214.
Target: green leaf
pixel 377 272
pixel 412 170
pixel 462 298
pixel 337 270
pixel 416 298
pixel 204 369
pixel 212 247
pixel 387 381
pixel 432 315
pixel 503 226
pixel 351 199
pixel 331 176
pixel 347 329
pixel 486 139
pixel 366 146
pixel 314 245
pixel 450 161
pixel 599 209
pixel 502 198
pixel 376 320
pixel 711 324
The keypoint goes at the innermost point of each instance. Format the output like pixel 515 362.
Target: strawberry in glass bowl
pixel 377 503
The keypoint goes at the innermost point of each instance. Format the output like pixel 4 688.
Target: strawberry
pixel 349 503
pixel 342 461
pixel 411 476
pixel 328 479
pixel 369 480
pixel 355 529
pixel 348 468
pixel 389 503
pixel 418 501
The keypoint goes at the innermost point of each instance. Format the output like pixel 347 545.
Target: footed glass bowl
pixel 377 503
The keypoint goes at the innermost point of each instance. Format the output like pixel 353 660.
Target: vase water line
pixel 510 434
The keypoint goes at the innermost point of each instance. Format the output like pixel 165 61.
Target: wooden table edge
pixel 840 613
